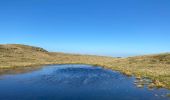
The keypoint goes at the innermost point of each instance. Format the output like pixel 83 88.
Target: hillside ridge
pixel 155 67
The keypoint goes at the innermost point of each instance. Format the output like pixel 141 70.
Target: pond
pixel 75 82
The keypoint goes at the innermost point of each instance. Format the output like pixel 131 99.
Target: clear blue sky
pixel 104 27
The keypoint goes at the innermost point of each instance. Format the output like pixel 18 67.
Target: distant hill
pixel 17 55
pixel 155 67
pixel 163 58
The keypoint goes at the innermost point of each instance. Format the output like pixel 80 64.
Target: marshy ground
pixel 154 67
pixel 76 82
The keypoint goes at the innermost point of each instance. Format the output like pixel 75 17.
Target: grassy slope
pixel 156 67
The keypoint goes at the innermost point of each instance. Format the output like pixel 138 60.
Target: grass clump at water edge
pixel 155 67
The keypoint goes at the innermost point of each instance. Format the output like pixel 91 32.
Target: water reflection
pixel 75 82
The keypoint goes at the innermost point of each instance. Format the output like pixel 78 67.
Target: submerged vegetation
pixel 154 67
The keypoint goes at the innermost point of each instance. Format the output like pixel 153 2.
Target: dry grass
pixel 155 67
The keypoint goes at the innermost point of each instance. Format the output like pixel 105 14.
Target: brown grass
pixel 155 67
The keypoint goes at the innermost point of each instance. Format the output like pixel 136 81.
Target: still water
pixel 75 82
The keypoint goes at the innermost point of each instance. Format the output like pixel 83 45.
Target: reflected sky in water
pixel 74 82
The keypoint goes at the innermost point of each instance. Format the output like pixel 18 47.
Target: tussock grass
pixel 155 67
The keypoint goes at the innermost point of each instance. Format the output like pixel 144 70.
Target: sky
pixel 102 27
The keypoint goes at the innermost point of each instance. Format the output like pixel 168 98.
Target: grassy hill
pixel 155 67
pixel 16 55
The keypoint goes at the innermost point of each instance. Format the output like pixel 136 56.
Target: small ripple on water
pixel 88 83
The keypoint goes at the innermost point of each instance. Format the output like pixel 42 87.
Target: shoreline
pixel 154 67
pixel 39 66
